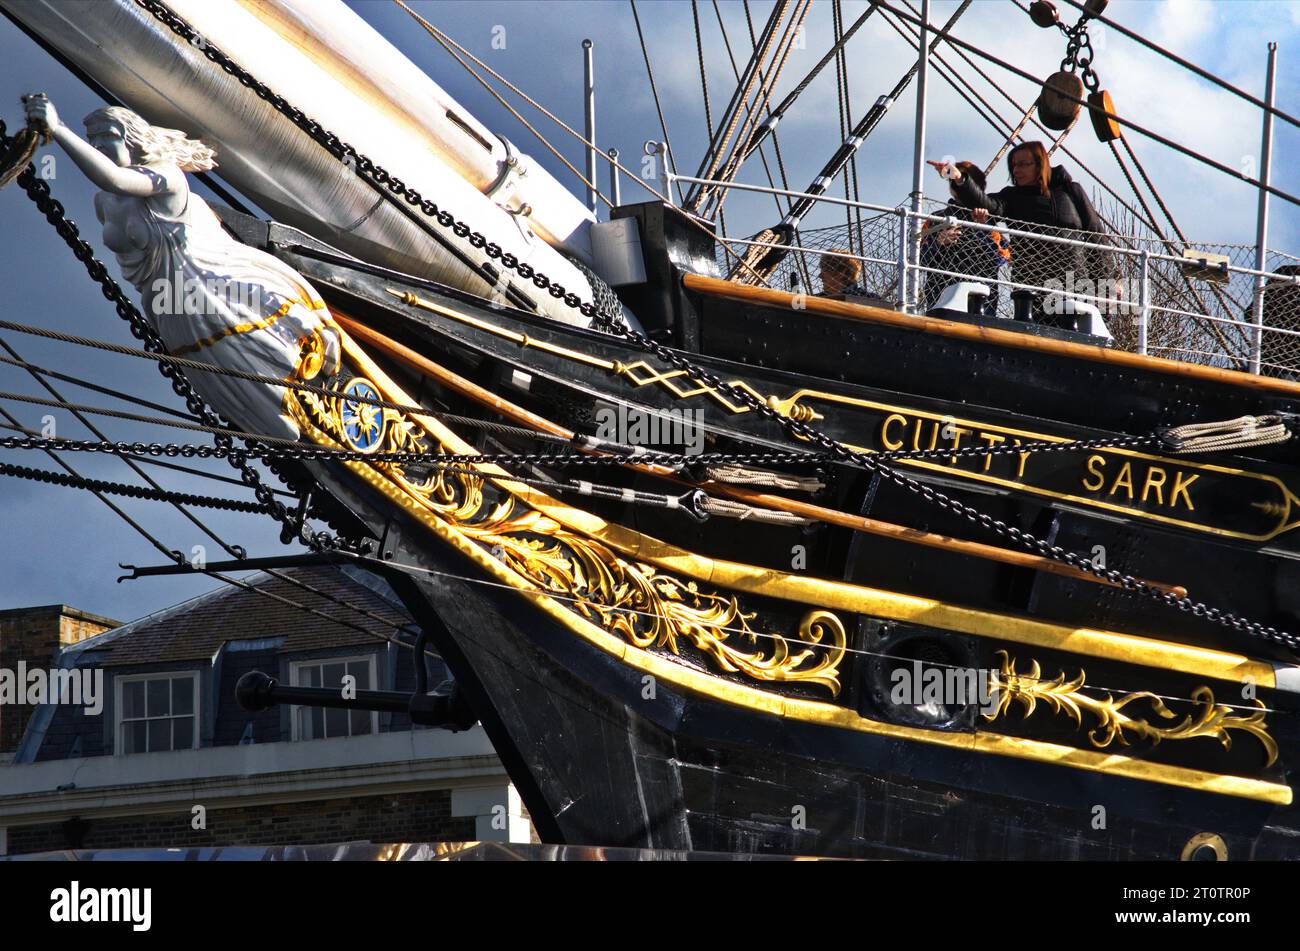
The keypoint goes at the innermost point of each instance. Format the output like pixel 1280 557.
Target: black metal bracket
pixel 292 529
pixel 303 560
pixel 444 707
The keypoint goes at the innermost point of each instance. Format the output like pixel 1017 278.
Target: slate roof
pixel 195 629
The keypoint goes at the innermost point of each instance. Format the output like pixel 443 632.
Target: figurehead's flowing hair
pixel 151 143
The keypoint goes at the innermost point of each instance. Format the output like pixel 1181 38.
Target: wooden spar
pixel 765 297
pixel 859 523
pixel 929 539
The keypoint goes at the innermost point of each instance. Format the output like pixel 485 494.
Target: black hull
pixel 597 763
pixel 600 761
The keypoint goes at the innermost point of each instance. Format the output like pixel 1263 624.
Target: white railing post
pixel 666 175
pixel 904 257
pixel 1144 300
pixel 1261 222
pixel 589 117
pixel 615 195
pixel 918 148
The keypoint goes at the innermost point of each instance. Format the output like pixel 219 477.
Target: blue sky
pixel 62 545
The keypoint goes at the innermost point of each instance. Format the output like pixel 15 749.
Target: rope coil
pixel 1240 433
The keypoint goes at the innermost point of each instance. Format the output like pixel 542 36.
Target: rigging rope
pixel 306 124
pixel 704 75
pixel 762 102
pixel 1212 326
pixel 595 189
pixel 87 384
pixel 739 98
pixel 1219 291
pixel 177 503
pixel 774 117
pixel 143 532
pixel 654 90
pixel 776 139
pixel 853 159
pixel 1174 57
pixel 762 152
pixel 945 33
pixel 1229 434
pixel 840 82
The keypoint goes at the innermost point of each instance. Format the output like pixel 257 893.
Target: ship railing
pixel 1198 306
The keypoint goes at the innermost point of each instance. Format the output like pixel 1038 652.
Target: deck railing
pixel 1196 307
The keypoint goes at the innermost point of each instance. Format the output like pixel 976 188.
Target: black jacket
pixel 1065 212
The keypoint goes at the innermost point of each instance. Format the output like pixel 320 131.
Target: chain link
pixel 310 453
pixel 146 493
pixel 801 431
pixel 1079 53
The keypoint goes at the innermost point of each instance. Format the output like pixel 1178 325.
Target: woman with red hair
pixel 1045 200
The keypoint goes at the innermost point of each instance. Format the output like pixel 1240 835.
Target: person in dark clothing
pixel 1046 200
pixel 970 252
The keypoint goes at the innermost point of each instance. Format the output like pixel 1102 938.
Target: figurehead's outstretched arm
pixel 139 180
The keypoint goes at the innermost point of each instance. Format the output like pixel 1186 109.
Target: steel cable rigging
pixel 945 33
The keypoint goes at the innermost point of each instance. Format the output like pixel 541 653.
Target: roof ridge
pixel 156 615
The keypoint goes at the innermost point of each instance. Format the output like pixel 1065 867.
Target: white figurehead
pixel 210 298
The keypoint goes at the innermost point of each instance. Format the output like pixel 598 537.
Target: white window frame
pixel 295 666
pixel 119 680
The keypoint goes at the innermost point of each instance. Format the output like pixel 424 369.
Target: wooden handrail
pixel 766 297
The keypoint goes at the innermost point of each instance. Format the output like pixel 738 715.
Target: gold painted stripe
pixel 248 327
pixel 833 595
pixel 666 379
pixel 514 336
pixel 811 711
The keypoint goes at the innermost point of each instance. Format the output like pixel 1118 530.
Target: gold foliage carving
pixel 1114 719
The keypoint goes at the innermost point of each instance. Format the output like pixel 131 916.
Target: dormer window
pixel 315 723
pixel 156 712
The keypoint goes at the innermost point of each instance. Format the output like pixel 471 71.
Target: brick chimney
pixel 36 635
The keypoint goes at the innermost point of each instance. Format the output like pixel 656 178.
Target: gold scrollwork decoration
pixel 647 607
pixel 1114 723
pixel 654 610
